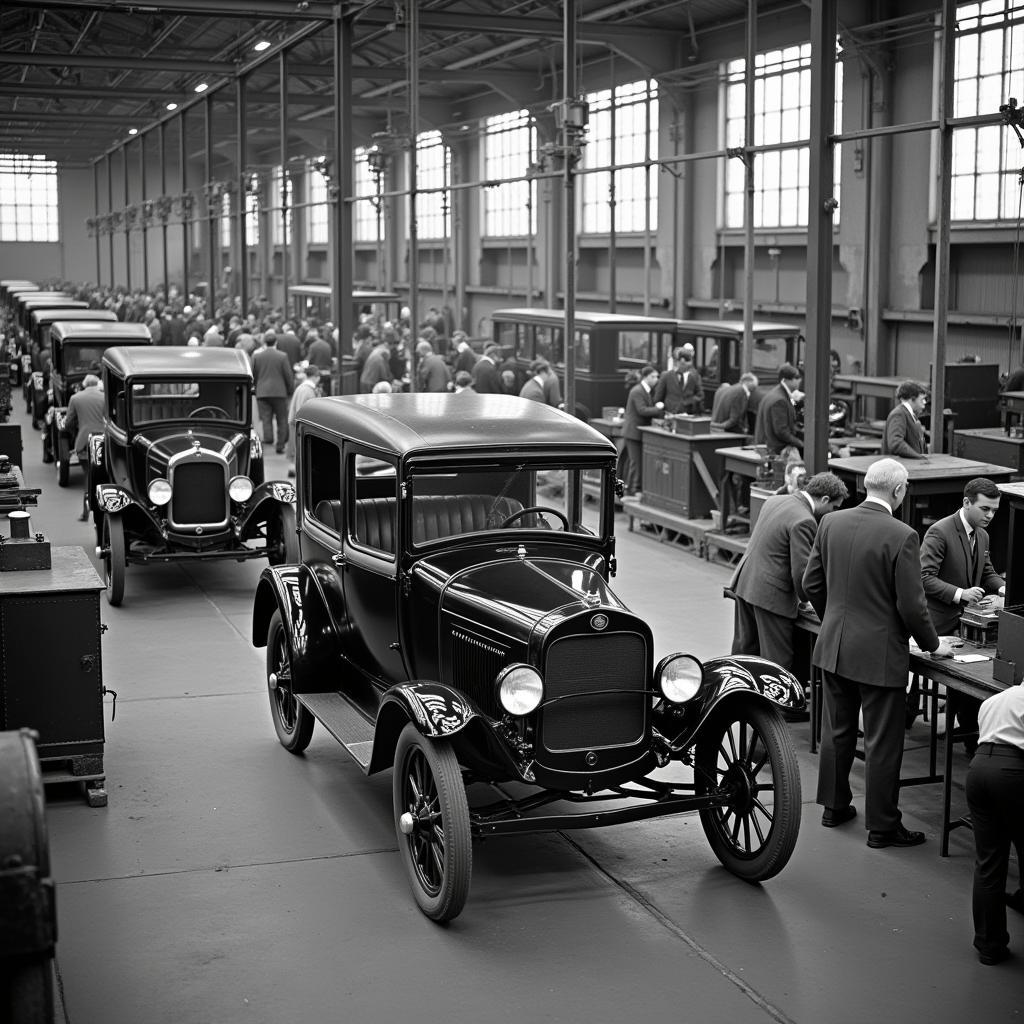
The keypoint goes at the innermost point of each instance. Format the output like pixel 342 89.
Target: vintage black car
pixel 76 349
pixel 451 617
pixel 178 473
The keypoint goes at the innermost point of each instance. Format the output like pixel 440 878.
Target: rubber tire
pixel 282 540
pixel 114 561
pixel 759 728
pixel 293 723
pixel 434 764
pixel 63 454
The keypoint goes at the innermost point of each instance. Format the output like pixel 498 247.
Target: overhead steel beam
pixel 119 62
pixel 398 74
pixel 73 117
pixel 126 94
pixel 245 9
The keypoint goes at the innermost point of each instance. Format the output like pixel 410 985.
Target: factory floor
pixel 229 881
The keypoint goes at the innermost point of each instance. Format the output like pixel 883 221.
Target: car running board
pixel 343 722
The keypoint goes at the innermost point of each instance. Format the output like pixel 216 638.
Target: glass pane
pixel 987 201
pixel 962 198
pixel 989 146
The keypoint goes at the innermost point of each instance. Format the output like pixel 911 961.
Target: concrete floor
pixel 230 881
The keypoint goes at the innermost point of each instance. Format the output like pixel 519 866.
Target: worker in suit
pixel 957 572
pixel 86 410
pixel 274 382
pixel 732 404
pixel 904 434
pixel 641 408
pixel 863 578
pixel 538 388
pixel 432 374
pixel 486 379
pixel 768 582
pixel 776 414
pixel 680 388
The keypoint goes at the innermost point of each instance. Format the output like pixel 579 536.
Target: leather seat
pixel 434 516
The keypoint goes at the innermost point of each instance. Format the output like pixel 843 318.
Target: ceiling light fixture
pixel 263 44
pixel 172 106
pixel 202 87
pixel 133 131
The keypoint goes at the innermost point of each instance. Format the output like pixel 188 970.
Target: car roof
pixel 403 423
pixel 87 330
pixel 734 328
pixel 583 317
pixel 53 313
pixel 176 361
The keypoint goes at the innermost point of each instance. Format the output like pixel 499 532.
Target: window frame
pixel 29 198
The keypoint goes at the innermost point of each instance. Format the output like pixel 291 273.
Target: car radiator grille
pixel 476 663
pixel 588 665
pixel 199 494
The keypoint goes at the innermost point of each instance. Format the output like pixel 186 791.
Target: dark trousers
pixel 271 410
pixel 634 449
pixel 883 708
pixel 759 631
pixel 995 796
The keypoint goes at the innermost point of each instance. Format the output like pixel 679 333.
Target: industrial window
pixel 225 220
pixel 367 221
pixel 782 114
pixel 509 151
pixel 252 211
pixel 318 212
pixel 989 69
pixel 28 199
pixel 433 171
pixel 280 203
pixel 634 111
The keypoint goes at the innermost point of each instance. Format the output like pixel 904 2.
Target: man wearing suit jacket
pixel 640 409
pixel 538 387
pixel 729 411
pixel 680 389
pixel 274 382
pixel 904 434
pixel 863 578
pixel 486 379
pixel 957 572
pixel 776 416
pixel 768 582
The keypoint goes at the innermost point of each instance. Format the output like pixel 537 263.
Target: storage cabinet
pixel 51 672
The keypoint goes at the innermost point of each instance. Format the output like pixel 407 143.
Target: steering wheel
pixel 536 509
pixel 215 411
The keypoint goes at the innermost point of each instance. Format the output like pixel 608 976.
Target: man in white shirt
pixel 995 796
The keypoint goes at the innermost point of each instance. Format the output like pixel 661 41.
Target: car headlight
pixel 159 491
pixel 520 688
pixel 679 677
pixel 240 488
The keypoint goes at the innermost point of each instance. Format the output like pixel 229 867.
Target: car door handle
pixel 338 558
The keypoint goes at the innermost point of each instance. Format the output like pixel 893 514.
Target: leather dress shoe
pixel 991 959
pixel 899 836
pixel 834 816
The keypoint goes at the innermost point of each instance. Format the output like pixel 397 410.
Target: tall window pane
pixel 225 220
pixel 28 199
pixel 989 68
pixel 433 171
pixel 280 219
pixel 782 113
pixel 509 149
pixel 365 212
pixel 318 212
pixel 635 117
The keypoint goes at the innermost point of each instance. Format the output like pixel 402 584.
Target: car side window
pixel 371 480
pixel 321 471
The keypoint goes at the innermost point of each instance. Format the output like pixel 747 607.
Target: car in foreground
pixel 450 617
pixel 177 475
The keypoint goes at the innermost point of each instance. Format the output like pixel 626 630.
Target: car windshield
pixel 84 358
pixel 521 496
pixel 211 399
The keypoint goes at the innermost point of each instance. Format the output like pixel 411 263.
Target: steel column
pixel 282 66
pixel 946 87
pixel 747 349
pixel 241 159
pixel 127 227
pixel 142 218
pixel 821 205
pixel 162 156
pixel 569 89
pixel 96 217
pixel 413 56
pixel 183 177
pixel 341 212
pixel 213 206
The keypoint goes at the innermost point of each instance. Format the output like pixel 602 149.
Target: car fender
pixel 274 492
pixel 437 711
pixel 740 677
pixel 314 645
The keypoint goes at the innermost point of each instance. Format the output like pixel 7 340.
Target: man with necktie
pixel 904 434
pixel 957 572
pixel 641 408
pixel 681 388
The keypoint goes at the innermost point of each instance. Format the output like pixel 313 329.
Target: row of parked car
pixel 433 606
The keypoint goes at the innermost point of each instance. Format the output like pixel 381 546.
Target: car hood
pixel 162 448
pixel 516 596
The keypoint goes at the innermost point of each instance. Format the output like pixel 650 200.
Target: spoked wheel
pixel 292 722
pixel 63 450
pixel 432 823
pixel 745 751
pixel 115 562
pixel 282 540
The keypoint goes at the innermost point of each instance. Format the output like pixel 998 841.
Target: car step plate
pixel 343 722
